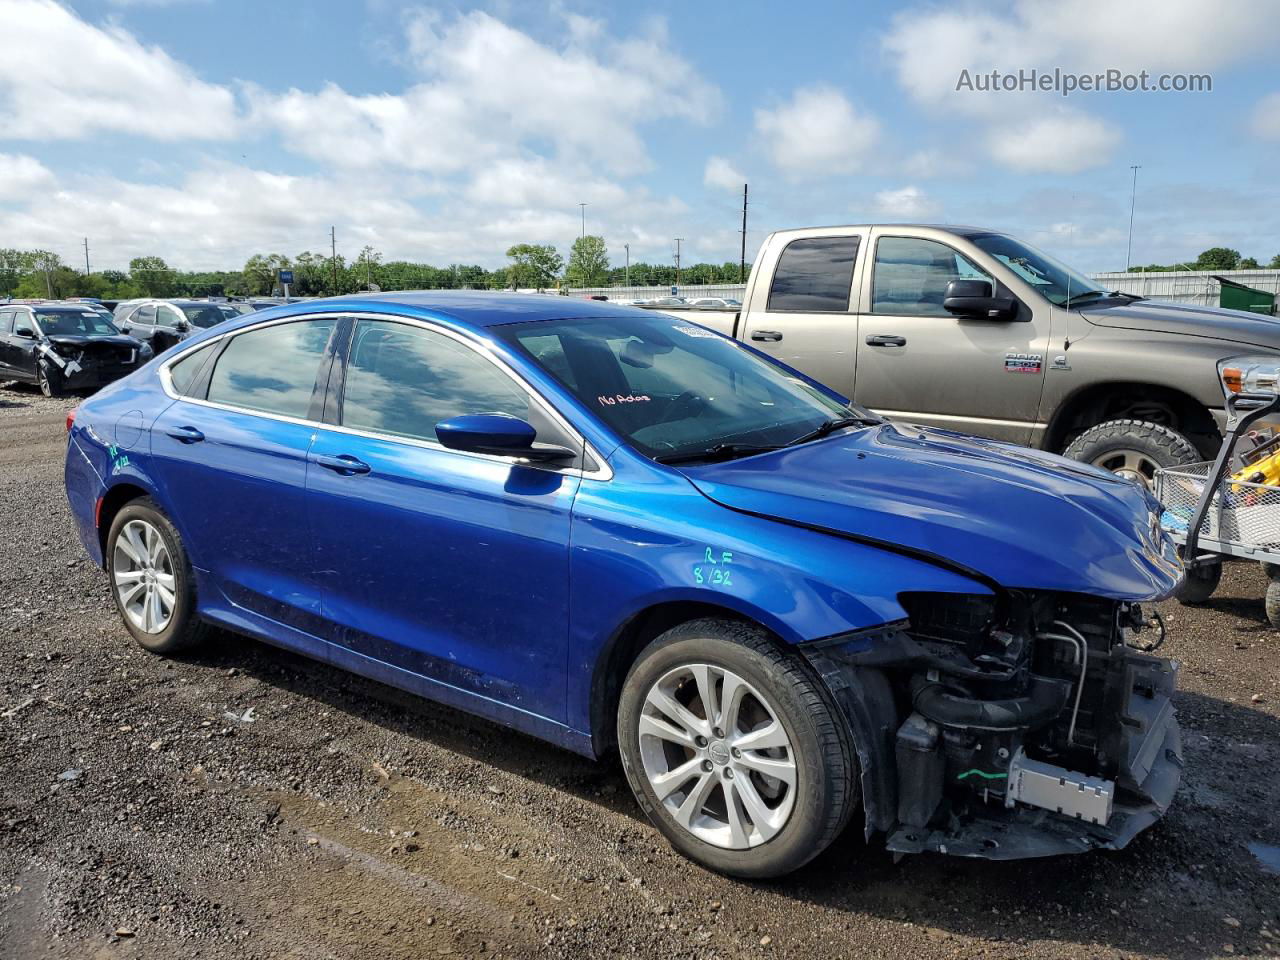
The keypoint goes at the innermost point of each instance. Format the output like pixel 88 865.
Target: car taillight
pixel 71 418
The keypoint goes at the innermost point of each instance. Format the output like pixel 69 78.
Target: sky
pixel 205 132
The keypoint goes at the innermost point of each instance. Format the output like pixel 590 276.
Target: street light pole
pixel 678 239
pixel 1133 197
pixel 627 247
pixel 584 218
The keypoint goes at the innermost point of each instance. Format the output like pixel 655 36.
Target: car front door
pixel 231 455
pixel 450 565
pixel 168 329
pixel 917 362
pixel 141 322
pixel 23 346
pixel 806 319
pixel 6 348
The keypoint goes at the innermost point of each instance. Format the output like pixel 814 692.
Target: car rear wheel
pixel 734 749
pixel 151 579
pixel 1134 449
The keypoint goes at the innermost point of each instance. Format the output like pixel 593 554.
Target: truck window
pixel 814 275
pixel 911 276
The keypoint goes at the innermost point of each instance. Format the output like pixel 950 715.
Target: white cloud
pixel 818 132
pixel 21 176
pixel 488 89
pixel 722 174
pixel 1061 142
pixel 1266 117
pixel 62 78
pixel 907 203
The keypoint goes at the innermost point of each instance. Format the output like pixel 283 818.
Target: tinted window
pixel 814 275
pixel 404 380
pixel 74 323
pixel 272 369
pixel 167 316
pixel 6 322
pixel 911 276
pixel 184 372
pixel 206 314
pixel 144 314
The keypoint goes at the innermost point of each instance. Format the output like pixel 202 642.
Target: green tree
pixel 1275 262
pixel 1248 263
pixel 367 268
pixel 152 276
pixel 1218 258
pixel 13 264
pixel 534 265
pixel 588 261
pixel 259 272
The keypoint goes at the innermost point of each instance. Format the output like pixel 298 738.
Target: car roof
pixel 479 308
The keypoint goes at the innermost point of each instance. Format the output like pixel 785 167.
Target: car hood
pixel 1235 326
pixel 71 340
pixel 1018 517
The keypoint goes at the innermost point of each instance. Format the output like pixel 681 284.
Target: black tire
pixel 50 381
pixel 1200 583
pixel 1272 570
pixel 184 629
pixel 1133 448
pixel 1273 604
pixel 826 770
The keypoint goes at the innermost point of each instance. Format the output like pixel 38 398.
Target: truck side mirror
pixel 975 300
pixel 25 332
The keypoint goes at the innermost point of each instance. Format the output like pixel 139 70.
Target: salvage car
pixel 64 346
pixel 162 323
pixel 624 532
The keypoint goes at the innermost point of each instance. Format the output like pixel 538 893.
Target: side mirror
pixel 974 299
pixel 498 435
pixel 24 332
pixel 182 326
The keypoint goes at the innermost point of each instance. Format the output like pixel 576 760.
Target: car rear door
pixel 140 323
pixel 918 362
pixel 6 335
pixel 452 566
pixel 806 318
pixel 231 455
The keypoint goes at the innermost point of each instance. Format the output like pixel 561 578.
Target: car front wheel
pixel 50 381
pixel 151 579
pixel 1134 449
pixel 734 749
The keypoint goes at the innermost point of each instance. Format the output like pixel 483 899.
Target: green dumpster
pixel 1236 296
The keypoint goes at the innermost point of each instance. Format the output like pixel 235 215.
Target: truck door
pixel 806 317
pixel 919 363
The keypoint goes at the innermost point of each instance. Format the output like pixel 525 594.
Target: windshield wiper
pixel 829 427
pixel 721 451
pixel 1091 294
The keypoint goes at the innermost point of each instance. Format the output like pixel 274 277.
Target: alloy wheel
pixel 143 575
pixel 1130 464
pixel 717 757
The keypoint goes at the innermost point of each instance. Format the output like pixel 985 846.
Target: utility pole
pixel 1133 197
pixel 627 247
pixel 333 248
pixel 86 256
pixel 678 239
pixel 584 219
pixel 742 262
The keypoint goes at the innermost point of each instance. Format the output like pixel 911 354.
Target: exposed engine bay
pixel 1011 725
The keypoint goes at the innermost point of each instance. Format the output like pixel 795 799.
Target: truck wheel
pixel 1201 581
pixel 734 749
pixel 1134 449
pixel 151 579
pixel 1273 604
pixel 50 382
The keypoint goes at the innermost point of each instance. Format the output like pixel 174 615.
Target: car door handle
pixel 345 464
pixel 886 340
pixel 186 434
pixel 766 336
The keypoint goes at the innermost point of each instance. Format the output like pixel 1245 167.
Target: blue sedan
pixel 627 534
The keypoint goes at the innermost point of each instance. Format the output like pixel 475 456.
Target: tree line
pixel 31 274
pixel 1215 258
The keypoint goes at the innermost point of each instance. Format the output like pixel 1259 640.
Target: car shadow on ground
pixel 1195 864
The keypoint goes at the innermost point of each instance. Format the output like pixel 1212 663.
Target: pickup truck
pixel 973 330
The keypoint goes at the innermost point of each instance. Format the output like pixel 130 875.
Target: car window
pixel 814 275
pixel 145 314
pixel 74 323
pixel 911 276
pixel 272 369
pixel 183 372
pixel 166 316
pixel 403 380
pixel 6 322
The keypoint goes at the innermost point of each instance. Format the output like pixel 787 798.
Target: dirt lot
pixel 249 803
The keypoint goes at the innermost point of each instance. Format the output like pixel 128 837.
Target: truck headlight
pixel 1258 374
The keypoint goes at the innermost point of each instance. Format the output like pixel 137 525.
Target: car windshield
pixel 202 314
pixel 74 323
pixel 1054 281
pixel 674 390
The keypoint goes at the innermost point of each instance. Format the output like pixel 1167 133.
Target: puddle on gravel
pixel 1268 856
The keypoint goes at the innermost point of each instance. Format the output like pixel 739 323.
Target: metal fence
pixel 1187 286
pixel 691 292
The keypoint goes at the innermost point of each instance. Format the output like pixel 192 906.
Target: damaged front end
pixel 1010 725
pixel 91 361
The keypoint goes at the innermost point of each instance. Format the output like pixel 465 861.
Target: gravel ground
pixel 245 802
